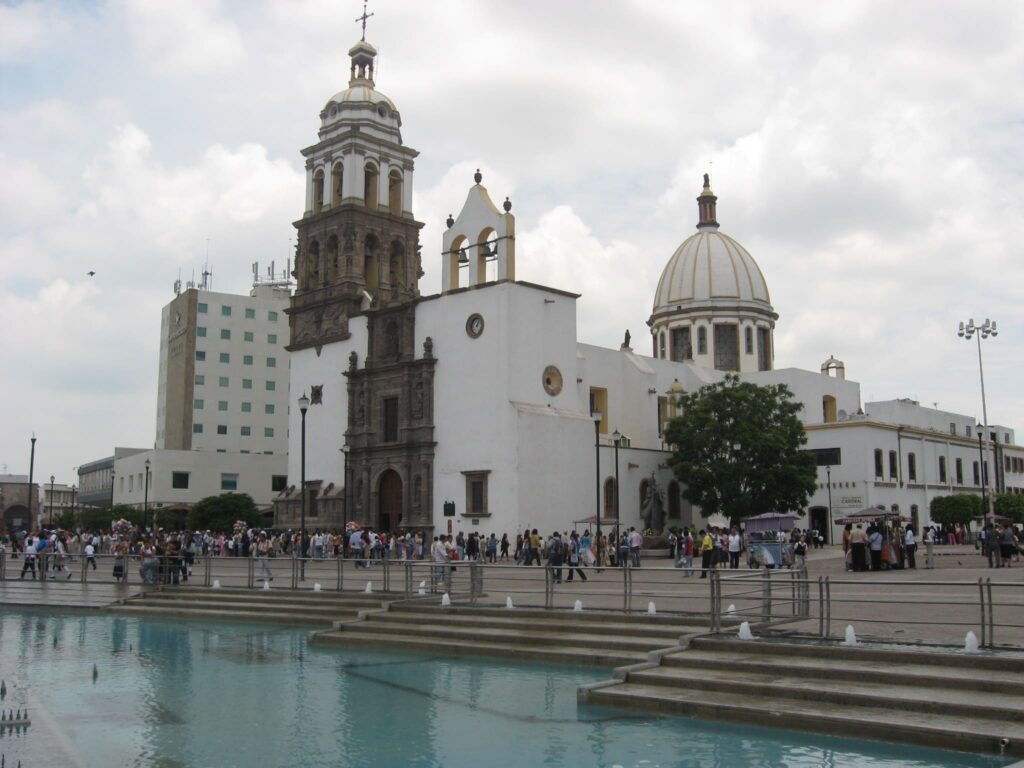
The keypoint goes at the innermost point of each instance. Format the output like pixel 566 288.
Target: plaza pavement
pixel 931 606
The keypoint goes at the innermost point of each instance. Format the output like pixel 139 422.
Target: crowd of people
pixel 167 557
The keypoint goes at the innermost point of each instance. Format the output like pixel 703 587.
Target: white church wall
pixel 325 423
pixel 810 388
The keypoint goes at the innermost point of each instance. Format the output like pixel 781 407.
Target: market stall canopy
pixel 870 515
pixel 770 521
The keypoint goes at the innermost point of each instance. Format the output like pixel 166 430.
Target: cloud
pixel 185 38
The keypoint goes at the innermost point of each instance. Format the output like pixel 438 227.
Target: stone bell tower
pixel 358 243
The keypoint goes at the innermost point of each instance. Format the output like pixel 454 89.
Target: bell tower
pixel 358 243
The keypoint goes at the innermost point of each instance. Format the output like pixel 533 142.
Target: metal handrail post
pixel 3 566
pixel 715 603
pixel 208 571
pixel 252 571
pixel 766 596
pixel 386 572
pixel 991 611
pixel 448 580
pixel 549 588
pixel 626 587
pixel 821 608
pixel 295 573
pixel 981 604
pixel 828 608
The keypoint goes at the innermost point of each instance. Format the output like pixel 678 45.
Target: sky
pixel 869 155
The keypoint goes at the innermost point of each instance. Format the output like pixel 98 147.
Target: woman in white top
pixel 910 546
pixel 735 547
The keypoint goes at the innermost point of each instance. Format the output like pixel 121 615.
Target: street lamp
pixel 74 501
pixel 111 492
pixel 617 437
pixel 344 508
pixel 145 500
pixel 828 475
pixel 983 331
pixel 31 468
pixel 596 416
pixel 50 523
pixel 303 407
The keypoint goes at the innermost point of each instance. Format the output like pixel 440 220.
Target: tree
pixel 956 508
pixel 172 519
pixel 100 518
pixel 1010 505
pixel 738 450
pixel 219 513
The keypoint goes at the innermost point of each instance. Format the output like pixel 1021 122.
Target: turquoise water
pixel 202 694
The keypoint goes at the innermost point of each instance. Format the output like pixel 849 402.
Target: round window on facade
pixel 552 380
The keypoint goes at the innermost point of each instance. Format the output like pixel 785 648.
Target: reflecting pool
pixel 141 692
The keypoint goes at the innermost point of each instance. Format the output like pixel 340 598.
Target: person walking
pixel 556 554
pixel 735 547
pixel 263 555
pixel 910 547
pixel 574 557
pixel 858 546
pixel 636 541
pixel 929 547
pixel 687 547
pixel 707 548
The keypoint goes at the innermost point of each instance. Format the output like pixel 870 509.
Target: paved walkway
pixel 938 605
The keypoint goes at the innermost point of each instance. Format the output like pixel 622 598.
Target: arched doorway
pixel 389 496
pixel 818 520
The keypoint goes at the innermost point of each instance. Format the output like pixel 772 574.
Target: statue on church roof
pixel 625 341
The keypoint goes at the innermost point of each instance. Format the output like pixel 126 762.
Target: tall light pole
pixel 50 516
pixel 31 468
pixel 111 492
pixel 74 502
pixel 596 416
pixel 828 475
pixel 145 500
pixel 983 331
pixel 344 508
pixel 617 437
pixel 303 407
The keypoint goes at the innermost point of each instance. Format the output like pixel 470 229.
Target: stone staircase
pixel 930 698
pixel 299 608
pixel 592 638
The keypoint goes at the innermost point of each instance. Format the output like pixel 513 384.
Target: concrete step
pixel 883 723
pixel 525 636
pixel 218 614
pixel 863 653
pixel 721 678
pixel 266 598
pixel 551 622
pixel 333 611
pixel 922 675
pixel 685 622
pixel 558 654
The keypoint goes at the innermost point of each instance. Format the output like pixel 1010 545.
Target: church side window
pixel 748 340
pixel 318 191
pixel 942 469
pixel 959 468
pixel 977 474
pixel 476 493
pixel 727 347
pixel 681 347
pixel 764 350
pixel 390 416
pixel 893 465
pixel 337 179
pixel 879 472
pixel 661 345
pixel 370 186
pixel 609 497
pixel 395 192
pixel 911 467
pixel 702 340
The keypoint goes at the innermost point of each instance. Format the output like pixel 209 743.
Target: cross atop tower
pixel 363 19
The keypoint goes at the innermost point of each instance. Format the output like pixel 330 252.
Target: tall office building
pixel 223 380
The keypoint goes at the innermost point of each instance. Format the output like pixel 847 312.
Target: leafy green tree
pixel 172 519
pixel 100 518
pixel 956 508
pixel 1010 505
pixel 219 513
pixel 738 450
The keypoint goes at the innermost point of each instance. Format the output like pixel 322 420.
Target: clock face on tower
pixel 475 325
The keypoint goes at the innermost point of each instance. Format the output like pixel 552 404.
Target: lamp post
pixel 145 499
pixel 74 502
pixel 50 516
pixel 31 468
pixel 111 492
pixel 617 437
pixel 303 407
pixel 828 475
pixel 983 331
pixel 596 416
pixel 344 508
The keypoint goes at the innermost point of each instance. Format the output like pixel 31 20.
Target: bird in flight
pixel 90 273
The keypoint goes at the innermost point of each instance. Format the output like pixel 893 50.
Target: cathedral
pixel 478 409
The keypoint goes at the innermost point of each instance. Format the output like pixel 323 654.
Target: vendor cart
pixel 767 541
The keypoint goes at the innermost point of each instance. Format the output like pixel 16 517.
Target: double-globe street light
pixel 983 331
pixel 145 500
pixel 52 499
pixel 596 416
